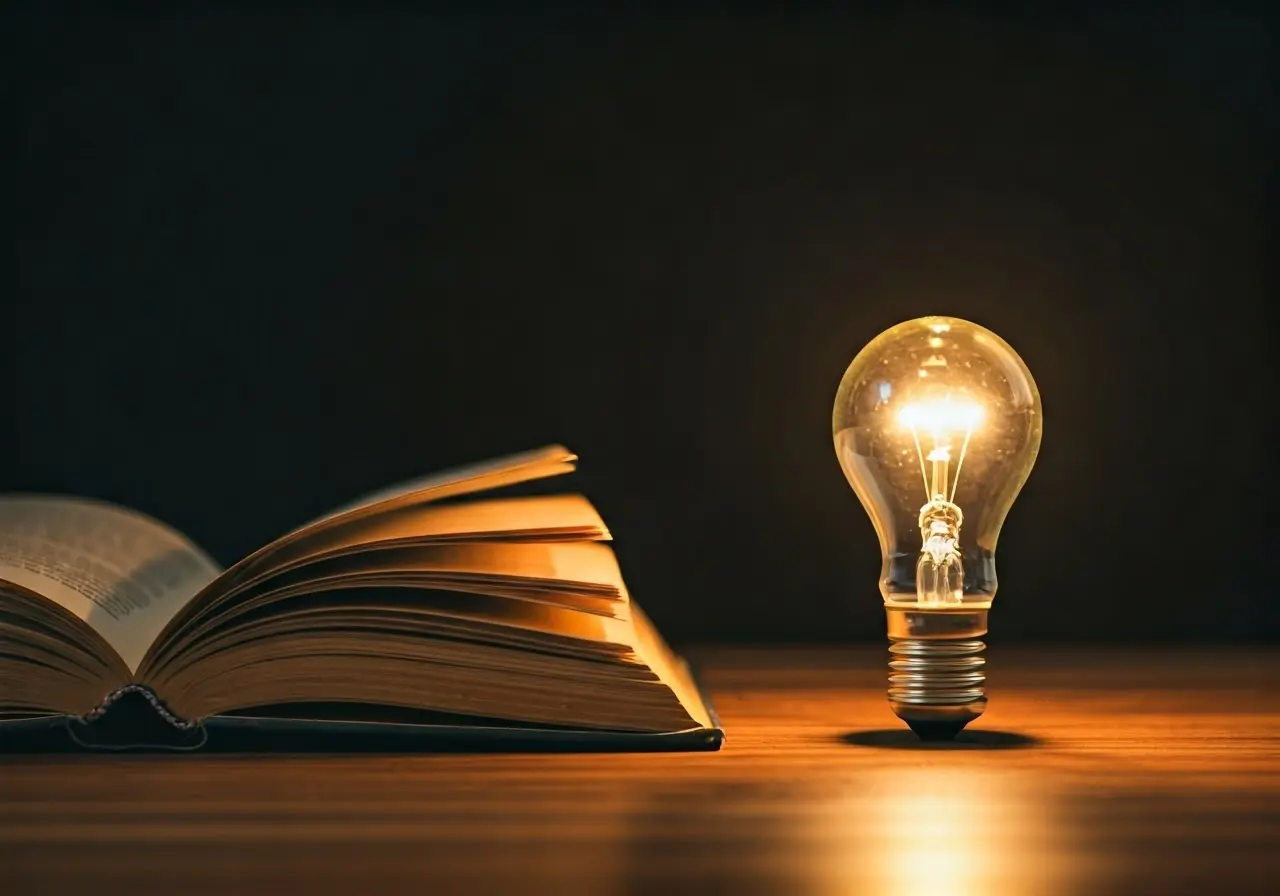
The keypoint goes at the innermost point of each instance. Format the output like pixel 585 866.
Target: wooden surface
pixel 1094 772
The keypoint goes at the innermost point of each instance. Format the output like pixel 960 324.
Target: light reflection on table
pixel 931 830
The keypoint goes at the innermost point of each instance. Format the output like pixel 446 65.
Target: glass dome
pixel 937 423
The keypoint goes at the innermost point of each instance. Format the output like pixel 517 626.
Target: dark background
pixel 265 262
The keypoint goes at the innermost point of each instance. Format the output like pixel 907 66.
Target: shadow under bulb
pixel 937 423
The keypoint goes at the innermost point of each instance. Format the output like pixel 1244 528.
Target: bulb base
pixel 937 686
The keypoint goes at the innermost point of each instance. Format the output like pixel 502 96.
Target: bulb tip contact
pixel 937 730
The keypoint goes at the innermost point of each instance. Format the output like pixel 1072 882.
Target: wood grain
pixel 1116 771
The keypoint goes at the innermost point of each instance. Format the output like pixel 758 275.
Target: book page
pixel 586 567
pixel 655 652
pixel 553 460
pixel 563 517
pixel 119 571
pixel 394 495
pixel 560 518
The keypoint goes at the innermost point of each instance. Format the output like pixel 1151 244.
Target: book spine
pixel 147 694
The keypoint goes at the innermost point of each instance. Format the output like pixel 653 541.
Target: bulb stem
pixel 937 675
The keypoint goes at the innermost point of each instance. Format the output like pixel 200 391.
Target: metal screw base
pixel 936 686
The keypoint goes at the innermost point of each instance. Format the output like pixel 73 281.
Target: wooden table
pixel 1096 772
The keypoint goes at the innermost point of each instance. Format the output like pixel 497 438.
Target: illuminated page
pixel 121 572
pixel 552 460
pixel 537 518
pixel 460 482
pixel 478 476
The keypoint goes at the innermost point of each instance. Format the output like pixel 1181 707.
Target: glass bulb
pixel 937 424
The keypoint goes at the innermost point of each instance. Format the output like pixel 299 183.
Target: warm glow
pixel 942 830
pixel 939 416
pixel 934 846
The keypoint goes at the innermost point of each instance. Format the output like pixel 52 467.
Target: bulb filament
pixel 940 568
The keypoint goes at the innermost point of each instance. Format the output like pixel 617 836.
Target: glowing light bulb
pixel 937 423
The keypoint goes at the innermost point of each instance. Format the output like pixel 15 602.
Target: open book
pixel 438 606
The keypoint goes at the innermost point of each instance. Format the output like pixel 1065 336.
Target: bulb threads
pixel 937 686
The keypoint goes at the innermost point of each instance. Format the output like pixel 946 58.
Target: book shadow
pixel 974 739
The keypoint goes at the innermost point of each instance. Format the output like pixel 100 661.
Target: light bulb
pixel 937 424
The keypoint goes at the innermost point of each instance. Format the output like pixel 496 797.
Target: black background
pixel 265 262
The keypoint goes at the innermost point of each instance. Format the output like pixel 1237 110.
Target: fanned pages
pixel 441 595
